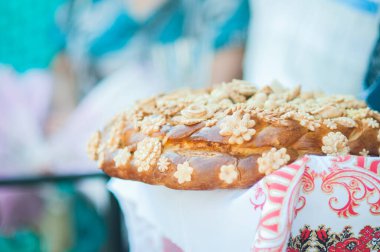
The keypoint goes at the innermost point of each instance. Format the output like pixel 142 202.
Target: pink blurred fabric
pixel 24 105
pixel 169 246
pixel 19 207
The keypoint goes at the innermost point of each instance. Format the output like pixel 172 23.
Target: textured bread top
pixel 230 136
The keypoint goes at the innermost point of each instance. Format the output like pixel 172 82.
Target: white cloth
pixel 259 218
pixel 323 45
pixel 195 220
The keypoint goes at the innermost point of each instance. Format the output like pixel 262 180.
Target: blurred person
pixel 324 45
pixel 135 49
pixel 122 51
pixel 166 35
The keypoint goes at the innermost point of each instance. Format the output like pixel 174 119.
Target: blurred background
pixel 67 66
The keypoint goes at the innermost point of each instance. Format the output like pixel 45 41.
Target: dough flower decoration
pixel 346 122
pixel 335 144
pixel 147 153
pixel 238 127
pixel 163 164
pixel 304 118
pixel 309 122
pixel 330 124
pixel 122 158
pixel 357 114
pixel 272 160
pixel 370 122
pixel 115 136
pixel 152 124
pixel 364 152
pixel 93 145
pixel 238 91
pixel 183 173
pixel 193 114
pixel 228 173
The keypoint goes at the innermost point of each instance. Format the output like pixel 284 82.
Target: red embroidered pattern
pixel 359 185
pixel 259 198
pixel 323 239
pixel 358 178
pixel 349 182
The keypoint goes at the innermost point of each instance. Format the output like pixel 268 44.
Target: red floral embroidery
pixel 349 245
pixel 322 239
pixel 305 234
pixel 292 250
pixel 366 234
pixel 322 235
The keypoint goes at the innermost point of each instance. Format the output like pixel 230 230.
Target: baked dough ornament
pixel 230 136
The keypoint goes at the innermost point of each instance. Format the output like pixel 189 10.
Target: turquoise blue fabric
pixel 372 79
pixel 118 34
pixel 373 95
pixel 233 28
pixel 167 24
pixel 173 27
pixel 21 241
pixel 89 227
pixel 164 26
pixel 369 6
pixel 29 37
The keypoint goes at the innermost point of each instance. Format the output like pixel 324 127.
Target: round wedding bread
pixel 230 136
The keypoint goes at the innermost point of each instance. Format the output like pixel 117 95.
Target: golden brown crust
pixel 230 136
